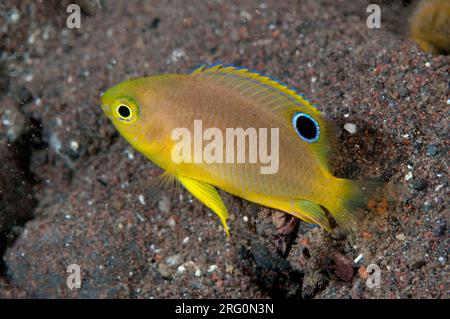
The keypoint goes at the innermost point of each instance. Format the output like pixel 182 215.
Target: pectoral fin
pixel 209 196
pixel 312 213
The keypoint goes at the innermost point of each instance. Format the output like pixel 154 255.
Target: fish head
pixel 129 105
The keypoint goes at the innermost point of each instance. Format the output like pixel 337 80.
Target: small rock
pixel 74 146
pixel 14 15
pixel 350 127
pixel 409 176
pixel 171 222
pixel 358 259
pixel 176 55
pixel 174 260
pixel 418 184
pixel 212 268
pixel 219 283
pixel 229 268
pixel 432 150
pixel 343 267
pixel 13 120
pixel 164 271
pixel 417 263
pixel 426 207
pixel 141 199
pixel 400 237
pixel 439 230
pixel 279 219
pixel 164 205
pixel 362 272
pixel 181 269
pixel 402 91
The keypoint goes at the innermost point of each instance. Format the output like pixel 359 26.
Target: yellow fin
pixel 261 87
pixel 274 98
pixel 313 214
pixel 209 196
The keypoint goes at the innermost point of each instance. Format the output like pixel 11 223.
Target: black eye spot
pixel 124 111
pixel 306 127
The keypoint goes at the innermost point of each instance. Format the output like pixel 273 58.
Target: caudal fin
pixel 354 198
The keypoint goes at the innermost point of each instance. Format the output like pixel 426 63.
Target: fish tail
pixel 353 199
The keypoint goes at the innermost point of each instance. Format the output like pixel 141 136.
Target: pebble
pixel 409 176
pixel 129 154
pixel 358 259
pixel 417 263
pixel 212 268
pixel 229 268
pixel 362 272
pixel 173 260
pixel 141 199
pixel 418 184
pixel 439 229
pixel 74 146
pixel 344 267
pixel 164 205
pixel 350 127
pixel 181 269
pixel 400 237
pixel 164 270
pixel 14 15
pixel 402 91
pixel 432 150
pixel 246 16
pixel 176 55
pixel 15 123
pixel 426 207
pixel 171 222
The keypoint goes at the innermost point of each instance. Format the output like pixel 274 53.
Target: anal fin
pixel 311 213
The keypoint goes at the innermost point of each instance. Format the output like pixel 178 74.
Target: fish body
pixel 429 26
pixel 224 98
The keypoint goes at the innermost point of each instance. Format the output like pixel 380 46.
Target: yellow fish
pixel 429 26
pixel 225 106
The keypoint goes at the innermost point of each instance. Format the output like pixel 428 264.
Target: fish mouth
pixel 106 109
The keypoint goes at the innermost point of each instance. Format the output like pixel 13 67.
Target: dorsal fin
pixel 273 95
pixel 233 76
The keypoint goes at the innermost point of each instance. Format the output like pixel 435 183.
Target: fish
pixel 429 26
pixel 147 111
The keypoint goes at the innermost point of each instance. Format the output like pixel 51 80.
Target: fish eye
pixel 306 127
pixel 124 111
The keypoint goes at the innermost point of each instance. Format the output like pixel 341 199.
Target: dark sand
pixel 91 203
